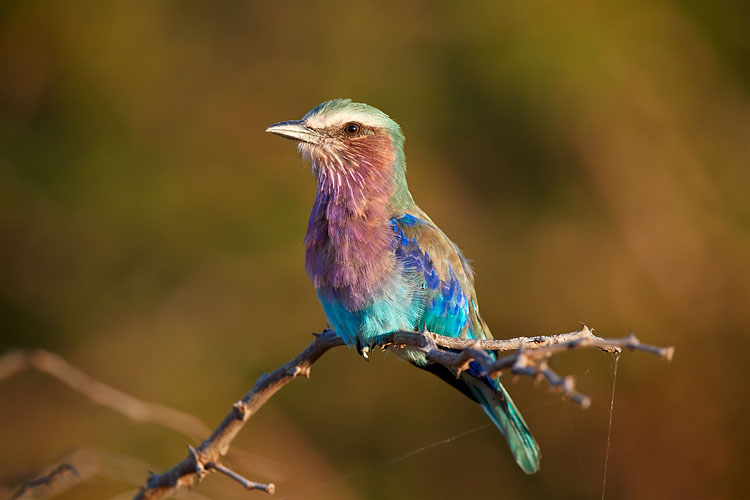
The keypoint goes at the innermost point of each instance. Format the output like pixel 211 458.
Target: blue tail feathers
pixel 505 415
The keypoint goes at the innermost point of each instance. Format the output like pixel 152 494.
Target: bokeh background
pixel 592 158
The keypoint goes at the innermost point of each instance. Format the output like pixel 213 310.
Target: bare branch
pixel 136 409
pixel 581 338
pixel 13 362
pixel 89 463
pixel 57 473
pixel 530 360
pixel 216 446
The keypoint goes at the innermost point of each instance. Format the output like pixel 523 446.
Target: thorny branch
pixel 530 359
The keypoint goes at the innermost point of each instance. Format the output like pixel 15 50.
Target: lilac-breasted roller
pixel 378 262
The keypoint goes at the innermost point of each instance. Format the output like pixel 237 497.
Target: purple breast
pixel 348 247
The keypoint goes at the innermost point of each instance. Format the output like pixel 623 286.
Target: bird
pixel 379 264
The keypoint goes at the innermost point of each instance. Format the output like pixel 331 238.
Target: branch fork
pixel 202 465
pixel 529 359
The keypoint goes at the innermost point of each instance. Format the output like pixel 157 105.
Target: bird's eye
pixel 352 129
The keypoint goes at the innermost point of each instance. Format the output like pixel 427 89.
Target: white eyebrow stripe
pixel 339 118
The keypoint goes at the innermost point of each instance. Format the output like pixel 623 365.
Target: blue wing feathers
pixel 445 308
pixel 433 289
pixel 450 309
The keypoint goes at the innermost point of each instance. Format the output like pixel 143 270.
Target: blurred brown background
pixel 592 158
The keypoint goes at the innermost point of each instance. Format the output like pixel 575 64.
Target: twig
pixel 43 361
pixel 529 360
pixel 246 483
pixel 46 480
pixel 89 463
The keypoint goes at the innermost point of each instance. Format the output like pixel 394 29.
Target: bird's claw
pixel 363 350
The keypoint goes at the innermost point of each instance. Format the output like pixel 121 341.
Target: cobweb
pixel 404 456
pixel 609 427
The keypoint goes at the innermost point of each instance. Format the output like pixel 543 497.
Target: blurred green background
pixel 592 158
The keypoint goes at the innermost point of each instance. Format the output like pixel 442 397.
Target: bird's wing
pixel 450 308
pixel 450 304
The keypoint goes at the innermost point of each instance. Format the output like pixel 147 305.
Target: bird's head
pixel 350 142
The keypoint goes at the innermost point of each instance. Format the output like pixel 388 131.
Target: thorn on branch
pixel 325 332
pixel 200 470
pixel 240 409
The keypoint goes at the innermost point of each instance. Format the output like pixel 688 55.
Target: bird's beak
pixel 295 130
